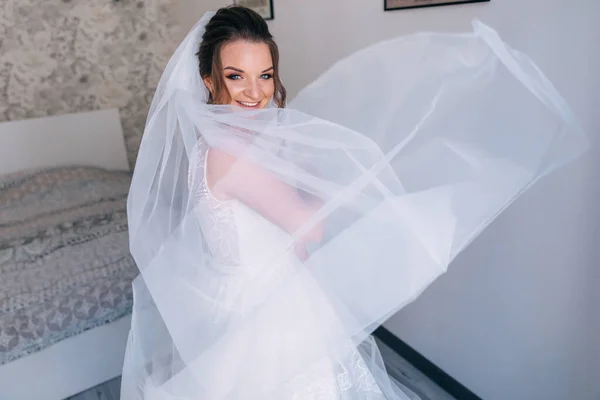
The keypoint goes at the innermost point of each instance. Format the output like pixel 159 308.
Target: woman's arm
pixel 261 190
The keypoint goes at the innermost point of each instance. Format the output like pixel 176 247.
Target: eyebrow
pixel 241 71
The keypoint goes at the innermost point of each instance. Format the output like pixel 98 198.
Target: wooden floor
pixel 398 368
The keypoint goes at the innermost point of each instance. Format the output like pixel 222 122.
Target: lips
pixel 247 104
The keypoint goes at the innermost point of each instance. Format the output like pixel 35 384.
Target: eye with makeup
pixel 235 77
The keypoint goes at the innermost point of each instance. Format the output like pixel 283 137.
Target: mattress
pixel 65 265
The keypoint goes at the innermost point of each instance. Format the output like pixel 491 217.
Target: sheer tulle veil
pixel 408 166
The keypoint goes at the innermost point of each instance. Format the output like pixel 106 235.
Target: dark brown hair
pixel 229 24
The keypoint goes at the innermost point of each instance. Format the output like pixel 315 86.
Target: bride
pixel 273 240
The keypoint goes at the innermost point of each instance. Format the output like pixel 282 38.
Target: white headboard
pixel 92 138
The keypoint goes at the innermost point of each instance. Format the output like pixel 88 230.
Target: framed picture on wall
pixel 263 7
pixel 389 5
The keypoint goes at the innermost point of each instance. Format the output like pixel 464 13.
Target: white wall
pixel 518 314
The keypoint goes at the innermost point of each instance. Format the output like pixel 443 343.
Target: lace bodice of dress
pixel 237 237
pixel 216 217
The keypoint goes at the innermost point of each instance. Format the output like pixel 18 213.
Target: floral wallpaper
pixel 64 56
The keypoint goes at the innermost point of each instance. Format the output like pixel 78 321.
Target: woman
pixel 238 61
pixel 271 241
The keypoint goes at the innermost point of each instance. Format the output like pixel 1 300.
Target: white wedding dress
pixel 240 241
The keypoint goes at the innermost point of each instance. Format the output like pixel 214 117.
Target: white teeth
pixel 248 104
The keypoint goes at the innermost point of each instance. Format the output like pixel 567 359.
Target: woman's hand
pixel 301 252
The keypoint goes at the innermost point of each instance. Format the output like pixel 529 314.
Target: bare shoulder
pixel 222 164
pixel 219 164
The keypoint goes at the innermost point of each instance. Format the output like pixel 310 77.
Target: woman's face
pixel 247 73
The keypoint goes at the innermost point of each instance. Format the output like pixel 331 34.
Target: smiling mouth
pixel 246 104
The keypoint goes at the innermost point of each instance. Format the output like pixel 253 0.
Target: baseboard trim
pixel 432 371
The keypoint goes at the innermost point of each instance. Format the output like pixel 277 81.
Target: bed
pixel 65 268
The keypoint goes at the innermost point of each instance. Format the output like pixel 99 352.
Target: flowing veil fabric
pixel 411 147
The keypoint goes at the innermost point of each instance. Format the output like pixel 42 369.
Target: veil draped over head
pixel 410 148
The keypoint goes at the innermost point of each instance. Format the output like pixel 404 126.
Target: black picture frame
pixel 265 10
pixel 392 5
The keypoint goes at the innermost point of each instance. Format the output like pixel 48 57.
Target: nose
pixel 252 90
